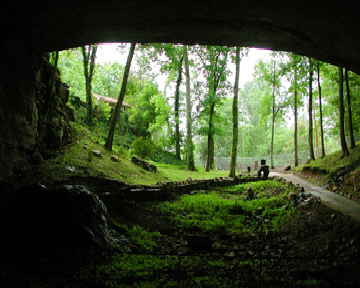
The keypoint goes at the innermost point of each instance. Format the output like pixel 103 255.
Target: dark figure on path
pixel 264 170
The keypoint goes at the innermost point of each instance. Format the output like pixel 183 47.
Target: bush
pixel 144 148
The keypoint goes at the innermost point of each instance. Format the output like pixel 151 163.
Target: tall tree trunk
pixel 189 142
pixel 321 114
pixel 344 149
pixel 89 55
pixel 348 98
pixel 311 138
pixel 296 153
pixel 235 115
pixel 210 163
pixel 177 110
pixel 273 118
pixel 316 131
pixel 55 56
pixel 56 59
pixel 116 111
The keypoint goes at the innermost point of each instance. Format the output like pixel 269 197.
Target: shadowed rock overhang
pixel 326 32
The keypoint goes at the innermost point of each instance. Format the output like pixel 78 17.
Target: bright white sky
pixel 109 53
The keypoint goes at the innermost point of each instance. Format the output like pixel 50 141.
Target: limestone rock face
pixel 34 117
pixel 38 223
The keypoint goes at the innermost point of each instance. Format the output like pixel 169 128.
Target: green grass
pixel 180 173
pixel 216 211
pixel 333 161
pixel 144 240
pixel 78 156
pixel 261 188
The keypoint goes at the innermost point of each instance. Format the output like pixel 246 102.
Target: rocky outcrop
pixel 33 115
pixel 54 115
pixel 345 181
pixel 143 164
pixel 109 189
pixel 65 222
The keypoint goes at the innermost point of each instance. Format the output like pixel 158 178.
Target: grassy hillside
pixel 333 162
pixel 77 159
pixel 340 175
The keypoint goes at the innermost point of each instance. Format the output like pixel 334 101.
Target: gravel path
pixel 331 199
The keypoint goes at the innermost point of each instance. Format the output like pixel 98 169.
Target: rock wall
pixel 33 113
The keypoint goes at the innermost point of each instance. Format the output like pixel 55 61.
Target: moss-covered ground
pixel 77 159
pixel 332 162
pixel 218 238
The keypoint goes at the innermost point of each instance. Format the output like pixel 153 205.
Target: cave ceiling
pixel 327 32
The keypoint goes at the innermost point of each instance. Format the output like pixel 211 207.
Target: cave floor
pixel 318 247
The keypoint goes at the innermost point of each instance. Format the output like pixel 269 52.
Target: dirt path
pixel 331 199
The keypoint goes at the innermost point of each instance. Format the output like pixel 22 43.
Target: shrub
pixel 144 148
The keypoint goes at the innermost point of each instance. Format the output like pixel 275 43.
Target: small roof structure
pixel 109 100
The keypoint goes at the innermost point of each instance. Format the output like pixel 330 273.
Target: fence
pixel 285 159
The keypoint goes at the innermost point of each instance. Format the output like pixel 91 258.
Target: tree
pixel 320 110
pixel 189 142
pixel 344 149
pixel 177 108
pixel 173 65
pixel 71 67
pixel 54 58
pixel 214 62
pixel 349 110
pixel 275 110
pixel 235 115
pixel 89 55
pixel 295 70
pixel 116 111
pixel 310 130
pixel 272 74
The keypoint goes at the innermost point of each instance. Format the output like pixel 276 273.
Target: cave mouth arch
pixel 326 33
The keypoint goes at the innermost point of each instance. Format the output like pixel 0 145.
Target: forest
pixel 291 110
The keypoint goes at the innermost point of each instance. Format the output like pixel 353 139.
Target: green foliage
pixel 71 70
pixel 333 161
pixel 125 266
pixel 76 156
pixel 180 172
pixel 107 79
pixel 215 211
pixel 144 148
pixel 144 240
pixel 149 113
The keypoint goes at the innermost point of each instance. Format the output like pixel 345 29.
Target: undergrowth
pixel 334 161
pixel 225 212
pixel 77 159
pixel 230 211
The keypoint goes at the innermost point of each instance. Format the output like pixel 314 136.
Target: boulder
pixel 143 164
pixel 58 224
pixel 97 153
pixel 114 158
